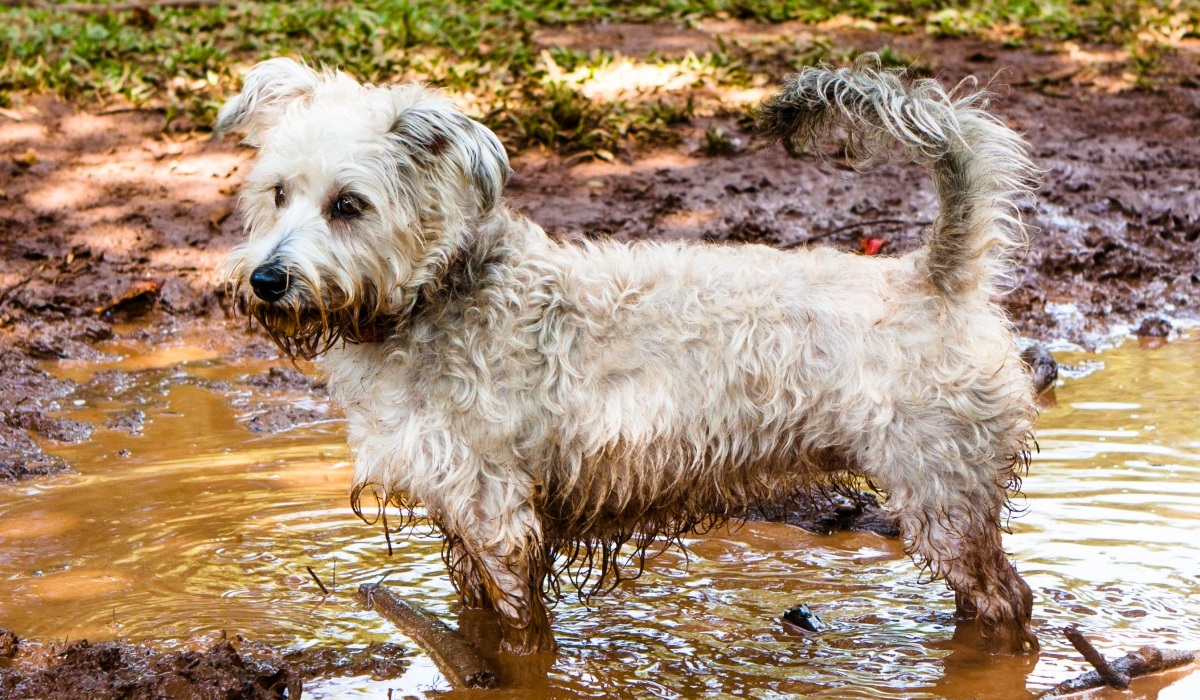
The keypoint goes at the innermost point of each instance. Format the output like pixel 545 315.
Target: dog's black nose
pixel 270 281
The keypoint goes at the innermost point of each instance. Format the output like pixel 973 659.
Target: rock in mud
pixel 56 429
pixel 66 339
pixel 803 620
pixel 1154 327
pixel 20 456
pixel 1042 367
pixel 274 417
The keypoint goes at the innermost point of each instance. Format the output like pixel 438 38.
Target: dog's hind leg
pixel 961 542
pixel 949 517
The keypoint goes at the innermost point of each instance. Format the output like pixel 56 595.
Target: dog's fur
pixel 548 402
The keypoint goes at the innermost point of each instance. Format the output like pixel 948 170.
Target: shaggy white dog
pixel 547 402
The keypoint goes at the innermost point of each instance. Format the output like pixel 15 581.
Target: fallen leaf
pixel 872 246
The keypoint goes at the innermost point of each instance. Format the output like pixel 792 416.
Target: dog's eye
pixel 348 206
pixel 280 196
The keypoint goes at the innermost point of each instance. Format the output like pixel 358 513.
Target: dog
pixel 548 403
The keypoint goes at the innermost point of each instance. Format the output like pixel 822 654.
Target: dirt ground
pixel 223 671
pixel 110 226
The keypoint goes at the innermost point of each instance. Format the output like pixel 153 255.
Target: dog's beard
pixel 305 326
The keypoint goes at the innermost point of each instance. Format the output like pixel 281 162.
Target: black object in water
pixel 805 619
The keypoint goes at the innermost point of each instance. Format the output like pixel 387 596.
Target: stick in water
pixel 1111 677
pixel 455 657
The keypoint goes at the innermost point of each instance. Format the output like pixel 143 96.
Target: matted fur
pixel 548 402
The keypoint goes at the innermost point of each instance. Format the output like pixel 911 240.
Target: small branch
pixel 14 287
pixel 1111 677
pixel 849 227
pixel 454 656
pixel 314 577
pixel 128 110
pixel 1143 662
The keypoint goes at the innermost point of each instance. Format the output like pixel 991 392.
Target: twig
pixel 127 110
pixel 1111 677
pixel 314 577
pixel 14 287
pixel 454 656
pixel 858 224
pixel 1143 662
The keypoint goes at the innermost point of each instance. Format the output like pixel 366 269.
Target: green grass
pixel 186 61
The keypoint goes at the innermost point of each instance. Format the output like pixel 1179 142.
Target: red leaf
pixel 872 246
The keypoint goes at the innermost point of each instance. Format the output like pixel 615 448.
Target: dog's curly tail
pixel 981 169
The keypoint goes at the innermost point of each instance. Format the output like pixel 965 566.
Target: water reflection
pixel 195 526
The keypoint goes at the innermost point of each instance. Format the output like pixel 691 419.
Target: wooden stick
pixel 1143 662
pixel 454 656
pixel 1111 676
pixel 848 227
pixel 314 577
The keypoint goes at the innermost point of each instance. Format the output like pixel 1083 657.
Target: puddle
pixel 193 525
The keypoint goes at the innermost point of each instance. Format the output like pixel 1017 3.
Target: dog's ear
pixel 267 89
pixel 439 132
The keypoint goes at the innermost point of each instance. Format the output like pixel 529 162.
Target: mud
pixel 117 670
pixel 112 231
pixel 283 387
pixel 827 512
pixel 26 394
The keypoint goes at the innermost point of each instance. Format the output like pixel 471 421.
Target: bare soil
pixel 121 671
pixel 112 227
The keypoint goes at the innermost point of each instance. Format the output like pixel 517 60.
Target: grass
pixel 186 61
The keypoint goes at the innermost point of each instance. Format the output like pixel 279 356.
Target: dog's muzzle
pixel 270 281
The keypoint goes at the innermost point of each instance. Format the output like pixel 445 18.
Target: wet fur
pixel 548 403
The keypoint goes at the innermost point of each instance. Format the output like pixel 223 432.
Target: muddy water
pixel 195 526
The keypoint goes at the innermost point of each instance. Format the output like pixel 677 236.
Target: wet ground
pixel 173 497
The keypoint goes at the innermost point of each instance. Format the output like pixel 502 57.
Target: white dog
pixel 547 402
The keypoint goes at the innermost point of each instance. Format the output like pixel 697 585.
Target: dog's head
pixel 359 197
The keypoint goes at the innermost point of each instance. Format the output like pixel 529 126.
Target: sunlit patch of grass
pixel 186 61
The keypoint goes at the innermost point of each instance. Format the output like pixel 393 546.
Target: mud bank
pixel 223 671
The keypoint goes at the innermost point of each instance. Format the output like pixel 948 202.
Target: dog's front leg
pixel 502 569
pixel 467 576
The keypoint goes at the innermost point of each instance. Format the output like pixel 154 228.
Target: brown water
pixel 198 526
